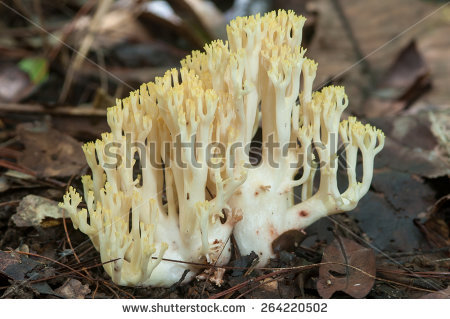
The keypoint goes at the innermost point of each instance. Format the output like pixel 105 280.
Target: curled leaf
pixel 356 280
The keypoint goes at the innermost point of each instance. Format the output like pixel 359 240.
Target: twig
pixel 107 284
pixel 53 261
pixel 68 28
pixel 248 282
pixel 300 268
pixel 63 110
pixel 9 153
pixel 110 289
pixel 85 252
pixel 70 244
pixel 11 202
pixel 86 44
pixel 95 291
pixel 65 274
pixel 46 180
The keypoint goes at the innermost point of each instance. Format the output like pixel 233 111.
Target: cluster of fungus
pixel 190 131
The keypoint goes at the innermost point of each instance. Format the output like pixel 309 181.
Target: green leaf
pixel 36 68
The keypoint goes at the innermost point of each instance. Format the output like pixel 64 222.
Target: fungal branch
pixel 164 128
pixel 292 133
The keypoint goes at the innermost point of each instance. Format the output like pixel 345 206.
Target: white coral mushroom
pixel 185 205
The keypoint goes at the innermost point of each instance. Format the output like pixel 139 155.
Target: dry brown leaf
pixel 288 241
pixel 49 153
pixel 16 266
pixel 404 82
pixel 73 289
pixel 378 34
pixel 6 260
pixel 386 214
pixel 436 227
pixel 335 277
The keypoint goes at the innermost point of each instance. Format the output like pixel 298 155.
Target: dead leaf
pixel 355 48
pixel 334 277
pixel 386 215
pixel 7 259
pixel 409 195
pixel 73 289
pixel 404 82
pixel 408 68
pixel 21 269
pixel 16 266
pixel 411 147
pixel 242 263
pixel 389 226
pixel 48 152
pixel 427 163
pixel 288 241
pixel 36 211
pixel 436 228
pixel 21 290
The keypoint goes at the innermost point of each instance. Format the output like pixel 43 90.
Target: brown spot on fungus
pixel 303 213
pixel 272 231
